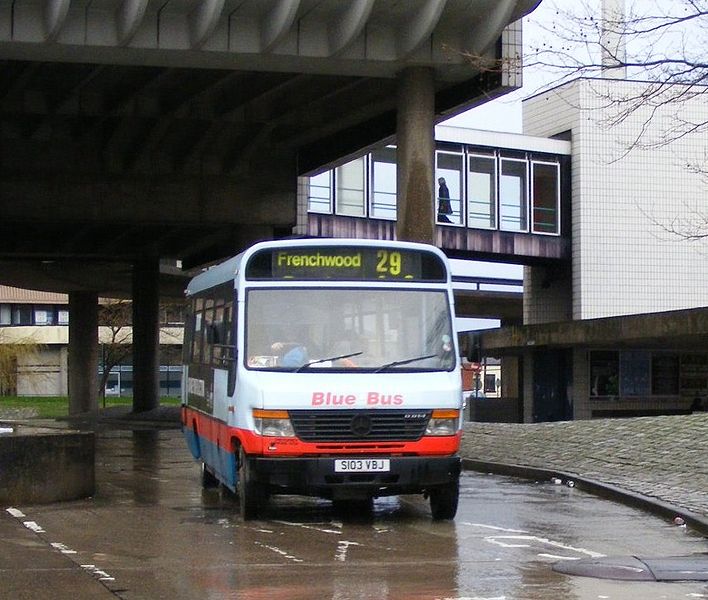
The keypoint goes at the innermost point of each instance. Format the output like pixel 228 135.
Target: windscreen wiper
pixel 395 363
pixel 321 360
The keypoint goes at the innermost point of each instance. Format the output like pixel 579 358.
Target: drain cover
pixel 633 568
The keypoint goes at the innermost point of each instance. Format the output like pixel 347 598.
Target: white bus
pixel 325 368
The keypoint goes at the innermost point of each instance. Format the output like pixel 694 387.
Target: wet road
pixel 151 532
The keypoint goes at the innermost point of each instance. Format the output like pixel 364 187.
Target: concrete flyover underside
pixel 177 130
pixel 138 130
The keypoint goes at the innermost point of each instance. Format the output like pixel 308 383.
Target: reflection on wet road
pixel 155 534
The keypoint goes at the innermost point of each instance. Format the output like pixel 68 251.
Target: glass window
pixel 350 191
pixel 449 185
pixel 112 383
pixel 22 314
pixel 490 383
pixel 604 373
pixel 44 315
pixel 664 374
pixel 197 335
pixel 63 316
pixel 5 314
pixel 170 381
pixel 319 196
pixel 126 381
pixel 546 197
pixel 349 329
pixel 207 330
pixel 513 195
pixel 482 192
pixel 383 183
pixel 635 370
pixel 172 314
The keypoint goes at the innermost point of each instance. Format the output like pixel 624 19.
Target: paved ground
pixel 659 463
pixel 662 460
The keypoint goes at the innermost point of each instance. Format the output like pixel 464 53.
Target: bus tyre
pixel 250 493
pixel 208 479
pixel 443 501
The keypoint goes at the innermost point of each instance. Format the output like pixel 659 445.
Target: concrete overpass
pixel 137 130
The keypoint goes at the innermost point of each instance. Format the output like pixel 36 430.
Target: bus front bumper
pixel 315 476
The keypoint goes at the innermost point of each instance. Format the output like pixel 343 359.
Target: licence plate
pixel 362 465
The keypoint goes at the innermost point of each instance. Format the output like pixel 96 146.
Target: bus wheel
pixel 443 501
pixel 250 493
pixel 208 479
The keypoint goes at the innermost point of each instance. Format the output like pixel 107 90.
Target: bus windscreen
pixel 345 263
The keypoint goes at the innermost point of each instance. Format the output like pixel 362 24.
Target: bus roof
pixel 227 271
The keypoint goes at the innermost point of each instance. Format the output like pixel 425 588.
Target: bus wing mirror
pixel 231 373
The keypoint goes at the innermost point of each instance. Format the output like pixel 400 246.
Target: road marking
pixel 62 548
pixel 33 526
pixel 473 598
pixel 523 542
pixel 279 551
pixel 312 527
pixel 98 573
pixel 494 527
pixel 558 557
pixel 342 549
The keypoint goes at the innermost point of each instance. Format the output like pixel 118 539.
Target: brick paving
pixel 664 458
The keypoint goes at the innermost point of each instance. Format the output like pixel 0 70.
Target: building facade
pixel 638 193
pixel 38 324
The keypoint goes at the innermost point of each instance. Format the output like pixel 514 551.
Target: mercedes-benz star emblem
pixel 361 425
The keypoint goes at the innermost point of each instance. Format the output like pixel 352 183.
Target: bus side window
pixel 187 347
pixel 207 330
pixel 230 350
pixel 197 336
pixel 218 335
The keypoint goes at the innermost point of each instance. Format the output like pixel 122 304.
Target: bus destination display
pixel 346 264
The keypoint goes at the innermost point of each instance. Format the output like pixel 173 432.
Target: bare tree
pixel 659 42
pixel 116 317
pixel 660 45
pixel 13 351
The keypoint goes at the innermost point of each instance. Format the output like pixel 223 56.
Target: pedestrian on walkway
pixel 444 206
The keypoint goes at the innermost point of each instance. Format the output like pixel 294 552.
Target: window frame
pixel 532 164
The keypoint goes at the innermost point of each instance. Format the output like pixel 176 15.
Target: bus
pixel 325 368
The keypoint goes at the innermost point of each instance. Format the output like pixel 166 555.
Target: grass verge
pixel 51 407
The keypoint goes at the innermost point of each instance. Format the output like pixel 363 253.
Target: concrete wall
pixel 44 465
pixel 43 373
pixel 547 295
pixel 624 262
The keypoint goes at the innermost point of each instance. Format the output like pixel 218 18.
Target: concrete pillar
pixel 146 335
pixel 64 371
pixel 83 352
pixel 415 155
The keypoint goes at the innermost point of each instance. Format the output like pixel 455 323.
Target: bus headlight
pixel 443 422
pixel 273 423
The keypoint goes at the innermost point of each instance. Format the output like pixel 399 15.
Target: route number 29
pixel 388 262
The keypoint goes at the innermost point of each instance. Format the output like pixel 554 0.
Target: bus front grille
pixel 359 425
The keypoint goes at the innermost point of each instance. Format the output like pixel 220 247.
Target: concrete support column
pixel 83 352
pixel 415 156
pixel 146 335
